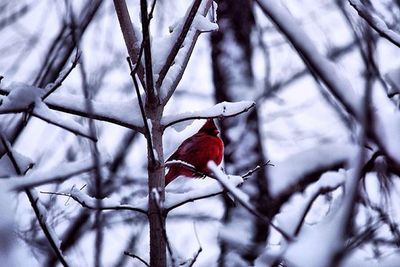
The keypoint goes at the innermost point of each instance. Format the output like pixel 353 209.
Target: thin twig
pixel 63 76
pixel 142 112
pixel 84 204
pixel 127 253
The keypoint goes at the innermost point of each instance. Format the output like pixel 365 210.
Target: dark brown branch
pixel 142 111
pixel 149 88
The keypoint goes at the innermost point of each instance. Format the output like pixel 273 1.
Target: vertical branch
pixel 131 38
pixel 149 88
pixel 152 120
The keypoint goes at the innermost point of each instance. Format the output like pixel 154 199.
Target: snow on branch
pixel 223 109
pixel 92 203
pixel 174 200
pixel 386 124
pixel 124 113
pixel 22 98
pixel 43 112
pixel 243 198
pixel 292 171
pixel 58 174
pixel 375 22
pixel 171 65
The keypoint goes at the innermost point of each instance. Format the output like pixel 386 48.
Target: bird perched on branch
pixel 197 151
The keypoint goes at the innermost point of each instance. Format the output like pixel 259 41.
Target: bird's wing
pixel 187 148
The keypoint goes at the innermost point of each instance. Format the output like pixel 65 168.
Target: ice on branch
pixel 224 109
pixel 58 174
pixel 20 97
pixel 290 171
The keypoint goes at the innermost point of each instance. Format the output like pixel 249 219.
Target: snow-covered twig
pixel 223 109
pixel 173 200
pixel 58 174
pixel 242 198
pixel 113 112
pixel 375 22
pixel 105 204
pixel 179 56
pixel 38 209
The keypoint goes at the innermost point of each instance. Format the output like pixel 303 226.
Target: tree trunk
pixel 156 182
pixel 233 80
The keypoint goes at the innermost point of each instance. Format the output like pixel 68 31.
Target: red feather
pixel 197 150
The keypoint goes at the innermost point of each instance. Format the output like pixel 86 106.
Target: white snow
pixel 59 173
pixel 203 24
pixel 288 172
pixel 376 22
pixel 212 188
pixel 20 97
pixel 6 167
pixel 125 112
pixel 43 112
pixel 223 109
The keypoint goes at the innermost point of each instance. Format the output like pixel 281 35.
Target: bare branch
pixel 136 257
pixel 376 22
pixel 50 88
pixel 90 203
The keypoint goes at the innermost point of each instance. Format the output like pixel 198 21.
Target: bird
pixel 197 151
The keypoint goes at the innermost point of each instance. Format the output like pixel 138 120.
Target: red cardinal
pixel 197 150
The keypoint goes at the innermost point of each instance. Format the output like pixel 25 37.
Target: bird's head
pixel 209 128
